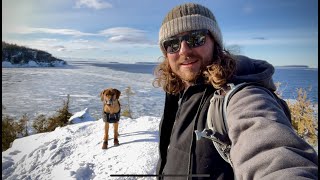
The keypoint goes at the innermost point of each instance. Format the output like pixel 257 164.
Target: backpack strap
pixel 217 130
pixel 230 93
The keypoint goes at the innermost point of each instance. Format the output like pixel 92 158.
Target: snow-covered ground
pixel 74 151
pixel 7 64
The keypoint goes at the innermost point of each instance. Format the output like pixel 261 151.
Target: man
pixel 195 65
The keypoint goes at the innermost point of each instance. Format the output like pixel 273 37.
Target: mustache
pixel 185 58
pixel 193 57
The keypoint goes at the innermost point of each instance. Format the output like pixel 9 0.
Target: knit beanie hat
pixel 189 17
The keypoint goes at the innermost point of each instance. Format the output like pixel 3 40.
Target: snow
pixel 74 151
pixel 7 64
pixel 81 116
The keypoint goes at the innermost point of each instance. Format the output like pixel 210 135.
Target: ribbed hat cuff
pixel 189 23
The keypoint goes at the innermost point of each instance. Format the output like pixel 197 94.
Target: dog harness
pixel 111 118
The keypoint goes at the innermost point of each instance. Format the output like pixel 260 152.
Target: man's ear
pixel 118 93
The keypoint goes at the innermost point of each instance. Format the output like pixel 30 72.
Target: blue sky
pixel 282 32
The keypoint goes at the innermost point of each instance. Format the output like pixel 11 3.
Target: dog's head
pixel 109 95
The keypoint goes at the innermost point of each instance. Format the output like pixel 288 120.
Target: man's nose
pixel 184 48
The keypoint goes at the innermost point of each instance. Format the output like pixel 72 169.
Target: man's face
pixel 188 62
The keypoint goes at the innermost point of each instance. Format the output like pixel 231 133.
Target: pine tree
pixel 60 119
pixel 8 135
pixel 22 126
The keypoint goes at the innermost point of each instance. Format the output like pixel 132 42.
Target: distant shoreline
pixel 124 64
pixel 293 66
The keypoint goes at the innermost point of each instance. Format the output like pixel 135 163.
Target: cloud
pixel 80 41
pixel 114 35
pixel 28 30
pixel 88 47
pixel 122 31
pixel 269 41
pixel 47 40
pixel 259 38
pixel 95 4
pixel 302 36
pixel 247 9
pixel 126 35
pixel 59 48
pixel 126 39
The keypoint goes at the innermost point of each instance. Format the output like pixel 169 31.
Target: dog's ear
pixel 101 94
pixel 117 93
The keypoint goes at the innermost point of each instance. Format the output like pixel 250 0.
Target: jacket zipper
pixel 195 123
pixel 177 116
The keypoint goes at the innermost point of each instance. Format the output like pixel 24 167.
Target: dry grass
pixel 304 117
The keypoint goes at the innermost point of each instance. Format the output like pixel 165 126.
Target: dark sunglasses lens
pixel 172 45
pixel 196 39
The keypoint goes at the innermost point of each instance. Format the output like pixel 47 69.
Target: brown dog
pixel 110 114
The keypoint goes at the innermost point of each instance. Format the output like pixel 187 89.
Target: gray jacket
pixel 264 144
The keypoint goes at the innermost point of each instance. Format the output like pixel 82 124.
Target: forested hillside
pixel 16 54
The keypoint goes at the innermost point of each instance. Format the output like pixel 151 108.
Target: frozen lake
pixel 42 90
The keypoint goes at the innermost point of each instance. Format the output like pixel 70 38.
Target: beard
pixel 192 74
pixel 190 77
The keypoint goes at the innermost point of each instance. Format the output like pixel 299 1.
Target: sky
pixel 74 151
pixel 281 32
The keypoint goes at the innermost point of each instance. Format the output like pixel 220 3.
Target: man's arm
pixel 264 144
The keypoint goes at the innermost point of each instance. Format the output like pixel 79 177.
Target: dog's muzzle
pixel 109 102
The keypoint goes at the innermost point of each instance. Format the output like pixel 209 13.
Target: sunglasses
pixel 194 39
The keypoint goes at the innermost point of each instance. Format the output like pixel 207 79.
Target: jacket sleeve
pixel 264 144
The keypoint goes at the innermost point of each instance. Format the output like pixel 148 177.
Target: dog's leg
pixel 106 136
pixel 106 131
pixel 116 133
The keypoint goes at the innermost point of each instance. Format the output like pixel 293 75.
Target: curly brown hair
pixel 218 73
